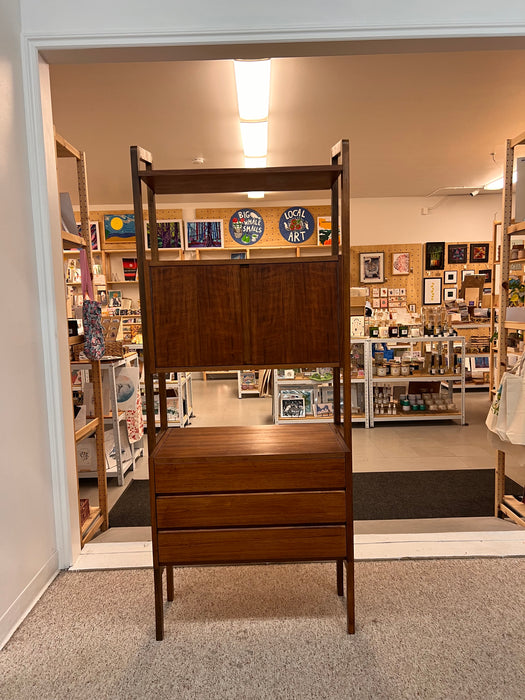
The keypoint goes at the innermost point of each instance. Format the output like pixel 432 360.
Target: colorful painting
pixel 479 252
pixel 115 298
pixel 204 233
pixel 119 229
pixel 324 231
pixel 434 256
pixel 129 265
pixel 324 410
pixel 95 234
pixel 400 263
pixel 246 226
pixel 169 234
pixel 296 225
pixel 371 268
pixel 457 254
pixel 488 275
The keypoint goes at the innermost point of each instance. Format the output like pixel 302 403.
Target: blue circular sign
pixel 296 225
pixel 246 226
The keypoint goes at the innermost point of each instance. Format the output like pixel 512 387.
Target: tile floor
pixel 387 447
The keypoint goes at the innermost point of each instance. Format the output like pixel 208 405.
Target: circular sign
pixel 296 225
pixel 246 226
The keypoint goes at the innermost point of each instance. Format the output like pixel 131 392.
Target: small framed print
pixel 450 294
pixel 391 292
pixel 487 290
pixel 451 277
pixel 375 291
pixel 434 256
pixel 432 290
pixel 402 292
pixel 412 308
pixel 466 273
pixel 384 303
pixel 371 268
pixel 383 292
pixel 457 254
pixel 400 263
pixel 488 275
pixel 115 298
pixel 293 407
pixel 204 233
pixel 376 303
pixel 357 326
pixel 324 410
pixel 479 252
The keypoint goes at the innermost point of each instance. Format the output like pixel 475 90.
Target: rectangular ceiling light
pixel 253 88
pixel 255 162
pixel 254 139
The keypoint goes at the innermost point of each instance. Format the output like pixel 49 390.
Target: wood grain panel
pixel 231 509
pixel 250 474
pixel 196 315
pixel 292 315
pixel 326 542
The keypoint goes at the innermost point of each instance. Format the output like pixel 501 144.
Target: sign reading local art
pixel 246 226
pixel 296 225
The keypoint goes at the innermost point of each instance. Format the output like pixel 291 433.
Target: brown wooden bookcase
pixel 264 493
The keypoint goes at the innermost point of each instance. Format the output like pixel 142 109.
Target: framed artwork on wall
pixel 95 234
pixel 488 275
pixel 450 294
pixel 371 268
pixel 451 277
pixel 324 231
pixel 457 254
pixel 432 290
pixel 400 263
pixel 204 233
pixel 119 229
pixel 169 234
pixel 434 256
pixel 466 273
pixel 479 252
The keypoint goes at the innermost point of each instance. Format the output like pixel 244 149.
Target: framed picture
pixel 400 263
pixel 383 292
pixel 487 290
pixel 451 277
pixel 293 407
pixel 376 303
pixel 169 234
pixel 466 273
pixel 434 256
pixel 324 410
pixel 488 275
pixel 412 308
pixel 383 303
pixel 375 291
pixel 115 298
pixel 95 234
pixel 102 297
pixel 432 290
pixel 391 292
pixel 402 292
pixel 371 268
pixel 119 229
pixel 204 233
pixel 479 252
pixel 238 256
pixel 129 267
pixel 457 254
pixel 324 231
pixel 450 294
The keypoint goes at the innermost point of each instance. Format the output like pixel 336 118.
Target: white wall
pixel 28 557
pixel 305 19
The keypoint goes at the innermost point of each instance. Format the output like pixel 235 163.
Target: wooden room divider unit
pixel 271 493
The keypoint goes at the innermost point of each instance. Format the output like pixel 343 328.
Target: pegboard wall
pixel 271 216
pixel 411 283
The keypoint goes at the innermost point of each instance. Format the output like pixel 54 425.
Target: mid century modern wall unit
pixel 273 493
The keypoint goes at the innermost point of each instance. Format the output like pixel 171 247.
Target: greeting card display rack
pixel 267 493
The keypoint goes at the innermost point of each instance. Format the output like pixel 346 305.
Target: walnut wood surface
pixel 235 509
pixel 251 314
pixel 326 542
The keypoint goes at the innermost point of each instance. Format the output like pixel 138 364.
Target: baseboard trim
pixel 25 602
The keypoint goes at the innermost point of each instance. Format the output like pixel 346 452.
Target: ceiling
pixel 417 122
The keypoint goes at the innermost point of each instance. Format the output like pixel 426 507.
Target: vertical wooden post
pixel 499 490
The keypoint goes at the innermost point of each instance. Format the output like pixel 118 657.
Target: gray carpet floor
pixel 425 629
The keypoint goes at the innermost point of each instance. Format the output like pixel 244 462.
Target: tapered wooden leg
pixel 339 571
pixel 350 603
pixel 159 603
pixel 169 582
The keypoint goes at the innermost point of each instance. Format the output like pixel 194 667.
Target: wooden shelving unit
pixel 269 493
pixel 505 504
pixel 98 517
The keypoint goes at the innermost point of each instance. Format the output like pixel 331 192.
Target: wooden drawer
pixel 325 542
pixel 250 473
pixel 235 509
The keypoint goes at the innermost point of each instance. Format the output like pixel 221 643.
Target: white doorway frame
pixel 45 215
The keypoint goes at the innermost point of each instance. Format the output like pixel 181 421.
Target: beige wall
pixel 28 557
